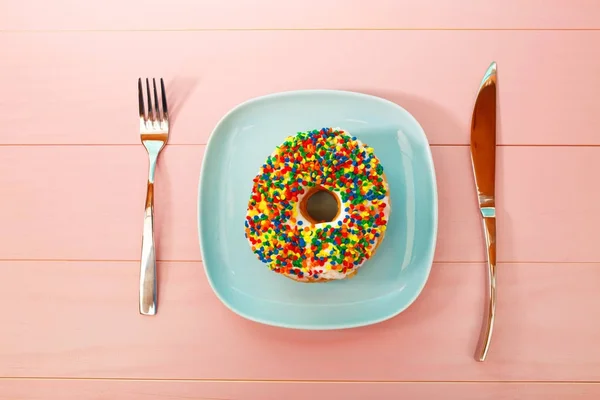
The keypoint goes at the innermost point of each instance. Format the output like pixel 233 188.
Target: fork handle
pixel 148 287
pixel 489 229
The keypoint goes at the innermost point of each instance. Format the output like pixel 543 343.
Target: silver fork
pixel 154 130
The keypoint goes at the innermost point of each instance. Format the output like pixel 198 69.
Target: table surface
pixel 73 175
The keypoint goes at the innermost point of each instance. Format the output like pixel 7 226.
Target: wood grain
pixel 86 202
pixel 80 88
pixel 310 14
pixel 80 319
pixel 152 390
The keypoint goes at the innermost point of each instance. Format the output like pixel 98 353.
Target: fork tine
pixel 150 110
pixel 156 103
pixel 164 100
pixel 141 99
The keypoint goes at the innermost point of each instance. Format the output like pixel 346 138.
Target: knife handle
pixel 489 229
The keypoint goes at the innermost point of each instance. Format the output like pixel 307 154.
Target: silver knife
pixel 483 157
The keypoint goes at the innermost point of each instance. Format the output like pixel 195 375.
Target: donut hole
pixel 320 206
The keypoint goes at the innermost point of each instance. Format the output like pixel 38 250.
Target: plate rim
pixel 434 198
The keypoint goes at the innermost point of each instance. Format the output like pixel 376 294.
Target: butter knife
pixel 483 158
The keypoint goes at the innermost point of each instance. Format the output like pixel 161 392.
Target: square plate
pixel 388 282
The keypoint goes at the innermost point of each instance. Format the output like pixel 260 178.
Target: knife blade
pixel 483 158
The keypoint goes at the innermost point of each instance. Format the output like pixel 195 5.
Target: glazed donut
pixel 296 239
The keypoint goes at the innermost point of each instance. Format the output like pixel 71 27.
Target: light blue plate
pixel 388 283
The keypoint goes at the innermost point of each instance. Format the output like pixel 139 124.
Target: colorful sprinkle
pixel 332 160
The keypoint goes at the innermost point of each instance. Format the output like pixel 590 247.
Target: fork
pixel 154 132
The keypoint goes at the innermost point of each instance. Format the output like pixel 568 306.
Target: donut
pixel 289 232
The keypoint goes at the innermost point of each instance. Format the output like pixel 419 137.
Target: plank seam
pixel 385 29
pixel 204 144
pixel 55 260
pixel 324 381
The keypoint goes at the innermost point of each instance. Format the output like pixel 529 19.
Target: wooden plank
pixel 86 202
pixel 80 319
pixel 32 389
pixel 310 14
pixel 80 88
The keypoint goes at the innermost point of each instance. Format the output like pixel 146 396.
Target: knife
pixel 483 158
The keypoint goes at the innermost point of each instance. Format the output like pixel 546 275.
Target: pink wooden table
pixel 73 176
